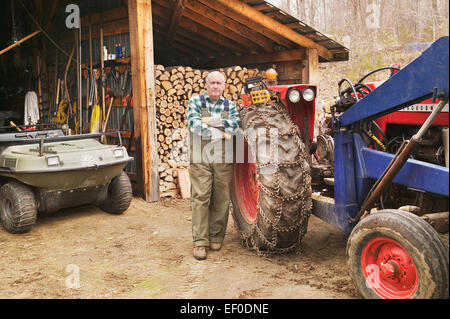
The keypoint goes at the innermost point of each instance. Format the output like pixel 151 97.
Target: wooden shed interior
pixel 201 34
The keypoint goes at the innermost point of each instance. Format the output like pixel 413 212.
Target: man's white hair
pixel 208 77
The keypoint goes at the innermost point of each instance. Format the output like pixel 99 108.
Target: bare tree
pixel 400 21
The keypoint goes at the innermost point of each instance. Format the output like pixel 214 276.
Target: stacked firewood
pixel 174 87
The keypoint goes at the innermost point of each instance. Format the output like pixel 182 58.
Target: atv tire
pixel 120 194
pixel 18 210
pixel 282 188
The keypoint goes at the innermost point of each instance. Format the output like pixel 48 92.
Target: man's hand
pixel 218 134
pixel 214 121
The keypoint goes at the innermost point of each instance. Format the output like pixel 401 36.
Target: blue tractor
pixel 343 176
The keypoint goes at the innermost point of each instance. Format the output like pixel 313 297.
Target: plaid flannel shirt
pixel 194 115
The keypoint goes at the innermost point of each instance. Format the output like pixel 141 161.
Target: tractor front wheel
pixel 393 254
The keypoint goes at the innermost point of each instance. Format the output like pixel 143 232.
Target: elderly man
pixel 212 120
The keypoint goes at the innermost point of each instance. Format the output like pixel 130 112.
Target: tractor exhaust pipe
pixel 400 158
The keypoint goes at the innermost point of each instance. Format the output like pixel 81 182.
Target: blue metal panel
pixel 325 209
pixel 410 85
pixel 416 174
pixel 363 182
pixel 345 190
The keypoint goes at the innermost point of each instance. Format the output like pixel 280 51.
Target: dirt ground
pixel 147 253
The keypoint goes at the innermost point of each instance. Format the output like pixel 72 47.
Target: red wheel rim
pixel 246 188
pixel 389 269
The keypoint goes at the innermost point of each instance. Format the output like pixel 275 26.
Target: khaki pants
pixel 211 186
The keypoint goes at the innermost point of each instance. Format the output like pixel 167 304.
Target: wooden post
pixel 142 64
pixel 310 73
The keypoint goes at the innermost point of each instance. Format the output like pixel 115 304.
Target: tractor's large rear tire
pixel 272 197
pixel 18 210
pixel 394 254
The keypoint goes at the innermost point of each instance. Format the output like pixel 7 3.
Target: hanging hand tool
pixel 57 97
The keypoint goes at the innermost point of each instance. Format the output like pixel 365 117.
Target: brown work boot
pixel 215 246
pixel 200 252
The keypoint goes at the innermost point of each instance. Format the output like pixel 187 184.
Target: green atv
pixel 45 171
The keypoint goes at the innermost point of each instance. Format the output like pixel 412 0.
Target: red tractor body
pixel 412 115
pixel 302 112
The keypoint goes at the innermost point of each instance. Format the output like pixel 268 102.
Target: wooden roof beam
pixel 106 16
pixel 198 41
pixel 296 24
pixel 276 14
pixel 283 56
pixel 160 26
pixel 181 46
pixel 214 27
pixel 256 27
pixel 177 14
pixel 109 28
pixel 195 28
pixel 274 26
pixel 51 14
pixel 230 24
pixel 191 44
pixel 213 36
pixel 262 6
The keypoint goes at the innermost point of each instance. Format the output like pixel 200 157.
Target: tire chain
pixel 305 209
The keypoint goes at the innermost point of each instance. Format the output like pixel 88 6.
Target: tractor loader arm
pixel 425 77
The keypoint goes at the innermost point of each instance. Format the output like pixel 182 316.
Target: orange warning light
pixel 271 74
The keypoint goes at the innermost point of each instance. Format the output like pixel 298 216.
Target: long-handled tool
pixel 57 97
pixel 12 46
pixel 105 123
pixel 102 73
